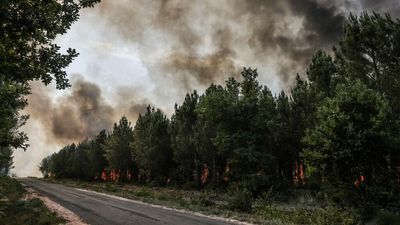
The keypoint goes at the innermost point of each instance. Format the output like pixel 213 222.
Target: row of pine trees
pixel 337 124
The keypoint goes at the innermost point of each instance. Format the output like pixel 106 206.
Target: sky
pixel 135 53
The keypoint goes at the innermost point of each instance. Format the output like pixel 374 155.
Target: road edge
pixel 70 217
pixel 214 217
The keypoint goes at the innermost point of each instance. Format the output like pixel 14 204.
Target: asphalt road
pixel 98 209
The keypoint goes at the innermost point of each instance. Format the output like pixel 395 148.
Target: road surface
pixel 99 209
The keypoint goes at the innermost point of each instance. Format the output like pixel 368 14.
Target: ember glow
pixel 298 174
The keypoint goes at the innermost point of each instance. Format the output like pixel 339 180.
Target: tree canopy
pixel 28 53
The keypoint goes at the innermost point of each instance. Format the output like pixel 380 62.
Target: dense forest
pixel 336 128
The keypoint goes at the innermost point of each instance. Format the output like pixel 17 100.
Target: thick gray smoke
pixel 199 42
pixel 80 114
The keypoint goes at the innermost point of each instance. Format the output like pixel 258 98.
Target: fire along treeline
pixel 339 124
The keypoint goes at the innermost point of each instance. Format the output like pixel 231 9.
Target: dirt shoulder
pixel 69 217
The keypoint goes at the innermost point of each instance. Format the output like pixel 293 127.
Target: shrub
pixel 240 200
pixel 319 216
pixel 386 218
pixel 143 192
pixel 205 201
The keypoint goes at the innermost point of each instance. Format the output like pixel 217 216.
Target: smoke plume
pixel 80 114
pixel 196 43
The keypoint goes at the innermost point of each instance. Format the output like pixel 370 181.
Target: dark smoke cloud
pixel 285 33
pixel 263 28
pixel 186 66
pixel 130 103
pixel 78 115
pixel 81 114
pixel 320 26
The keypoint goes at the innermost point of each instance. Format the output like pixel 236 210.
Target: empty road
pixel 98 209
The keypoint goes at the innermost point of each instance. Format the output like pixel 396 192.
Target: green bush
pixel 190 185
pixel 143 192
pixel 14 211
pixel 110 187
pixel 319 216
pixel 386 218
pixel 205 201
pixel 158 182
pixel 10 189
pixel 240 200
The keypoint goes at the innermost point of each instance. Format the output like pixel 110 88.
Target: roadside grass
pixel 387 218
pixel 17 210
pixel 238 205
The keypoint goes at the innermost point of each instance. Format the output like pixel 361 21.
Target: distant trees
pixel 340 123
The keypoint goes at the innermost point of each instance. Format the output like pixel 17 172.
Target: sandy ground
pixel 70 217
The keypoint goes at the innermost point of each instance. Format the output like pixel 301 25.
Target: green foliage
pixel 97 154
pixel 10 189
pixel 151 147
pixel 12 100
pixel 31 212
pixel 369 51
pixel 14 211
pixel 182 131
pixel 386 218
pixel 5 160
pixel 27 53
pixel 119 150
pixel 319 216
pixel 321 73
pixel 240 200
pixel 215 112
pixel 83 161
pixel 143 193
pixel 352 125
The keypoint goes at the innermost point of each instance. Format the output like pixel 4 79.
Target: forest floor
pixel 302 210
pixel 17 206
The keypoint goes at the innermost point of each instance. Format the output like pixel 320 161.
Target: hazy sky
pixel 139 52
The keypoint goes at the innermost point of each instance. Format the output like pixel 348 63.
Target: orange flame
pixel 204 174
pixel 226 173
pixel 96 176
pixel 298 174
pixel 360 180
pixel 129 174
pixel 104 175
pixel 114 175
